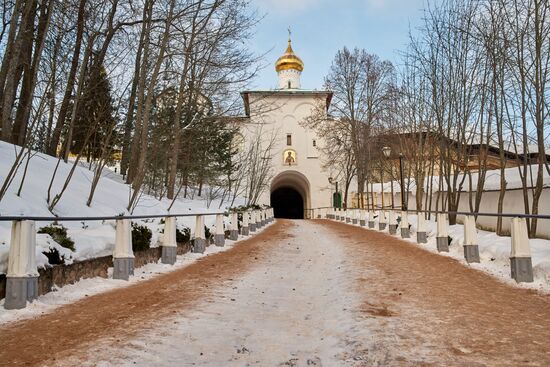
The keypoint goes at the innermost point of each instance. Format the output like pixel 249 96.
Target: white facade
pixel 277 115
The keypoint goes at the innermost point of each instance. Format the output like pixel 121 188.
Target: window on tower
pixel 314 143
pixel 289 84
pixel 288 139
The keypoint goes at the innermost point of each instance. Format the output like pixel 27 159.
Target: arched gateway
pixel 290 195
pixel 274 124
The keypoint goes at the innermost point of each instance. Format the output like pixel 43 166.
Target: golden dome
pixel 289 60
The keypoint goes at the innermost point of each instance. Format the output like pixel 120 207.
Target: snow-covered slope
pixel 93 238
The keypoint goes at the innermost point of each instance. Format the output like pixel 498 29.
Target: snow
pixel 92 238
pixel 494 253
pixel 492 181
pixel 90 286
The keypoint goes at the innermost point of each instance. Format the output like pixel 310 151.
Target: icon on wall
pixel 289 157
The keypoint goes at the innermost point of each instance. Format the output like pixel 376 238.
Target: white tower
pixel 289 67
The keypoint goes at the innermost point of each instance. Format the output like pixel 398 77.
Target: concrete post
pixel 234 226
pixel 262 218
pixel 199 240
pixel 382 220
pixel 123 255
pixel 442 233
pixel 169 243
pixel 252 223
pixel 362 217
pixel 520 255
pixel 337 214
pixel 405 231
pixel 22 277
pixel 354 216
pixel 471 249
pixel 393 222
pixel 421 228
pixel 219 236
pixel 343 215
pixel 245 229
pixel 348 215
pixel 370 220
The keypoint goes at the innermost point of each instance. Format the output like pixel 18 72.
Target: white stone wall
pixel 282 114
pixel 513 203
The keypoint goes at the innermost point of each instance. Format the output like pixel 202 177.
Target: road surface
pixel 301 293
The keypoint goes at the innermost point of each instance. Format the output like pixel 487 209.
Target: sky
pixel 321 27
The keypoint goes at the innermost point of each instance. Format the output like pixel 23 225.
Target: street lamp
pixel 335 204
pixel 403 203
pixel 386 151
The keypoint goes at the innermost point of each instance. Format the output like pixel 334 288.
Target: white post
pixel 219 236
pixel 471 249
pixel 442 233
pixel 123 255
pixel 382 220
pixel 362 217
pixel 199 241
pixel 421 228
pixel 252 224
pixel 245 229
pixel 22 276
pixel 393 222
pixel 405 232
pixel 354 216
pixel 169 243
pixel 234 229
pixel 520 254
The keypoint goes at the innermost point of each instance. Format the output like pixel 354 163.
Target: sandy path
pixel 118 315
pixel 316 293
pixel 427 309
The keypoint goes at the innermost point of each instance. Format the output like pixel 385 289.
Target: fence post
pixel 252 224
pixel 262 217
pixel 520 255
pixel 169 243
pixel 219 236
pixel 199 241
pixel 22 277
pixel 405 231
pixel 343 215
pixel 421 228
pixel 393 222
pixel 234 228
pixel 362 216
pixel 442 233
pixel 348 215
pixel 354 216
pixel 471 249
pixel 382 220
pixel 371 219
pixel 245 229
pixel 123 255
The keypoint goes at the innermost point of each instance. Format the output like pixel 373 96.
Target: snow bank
pixel 494 252
pixel 93 238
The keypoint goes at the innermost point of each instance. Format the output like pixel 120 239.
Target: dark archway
pixel 287 203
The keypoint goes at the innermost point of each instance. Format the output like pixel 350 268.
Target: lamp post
pixel 386 151
pixel 335 195
pixel 403 204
